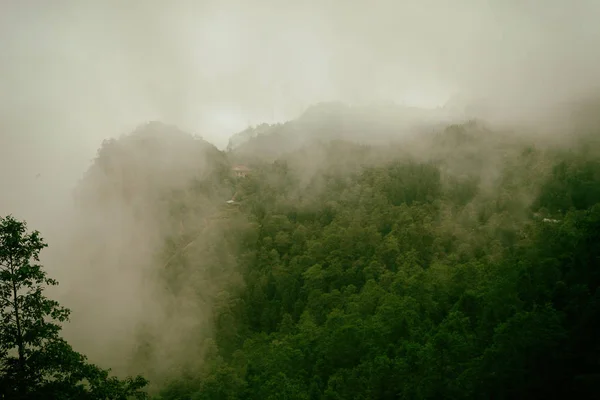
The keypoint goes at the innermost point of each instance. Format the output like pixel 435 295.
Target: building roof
pixel 242 168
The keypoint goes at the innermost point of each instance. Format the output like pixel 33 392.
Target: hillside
pixel 461 264
pixel 457 263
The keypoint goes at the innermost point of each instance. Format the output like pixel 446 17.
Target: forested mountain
pixel 462 264
pixel 448 262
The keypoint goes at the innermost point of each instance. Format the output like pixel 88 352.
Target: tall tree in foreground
pixel 35 362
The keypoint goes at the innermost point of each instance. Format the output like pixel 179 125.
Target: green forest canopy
pixel 463 266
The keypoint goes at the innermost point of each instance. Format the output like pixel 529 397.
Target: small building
pixel 241 171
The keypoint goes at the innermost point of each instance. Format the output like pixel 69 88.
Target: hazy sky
pixel 75 72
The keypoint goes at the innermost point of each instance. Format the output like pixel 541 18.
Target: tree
pixel 35 362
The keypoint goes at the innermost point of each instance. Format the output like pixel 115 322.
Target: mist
pixel 73 73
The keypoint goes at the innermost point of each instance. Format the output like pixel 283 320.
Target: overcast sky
pixel 75 72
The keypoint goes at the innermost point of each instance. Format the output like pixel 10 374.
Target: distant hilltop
pixel 335 120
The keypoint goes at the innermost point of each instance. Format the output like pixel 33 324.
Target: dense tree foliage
pixel 35 362
pixel 466 271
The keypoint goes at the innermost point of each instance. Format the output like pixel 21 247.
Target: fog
pixel 73 73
